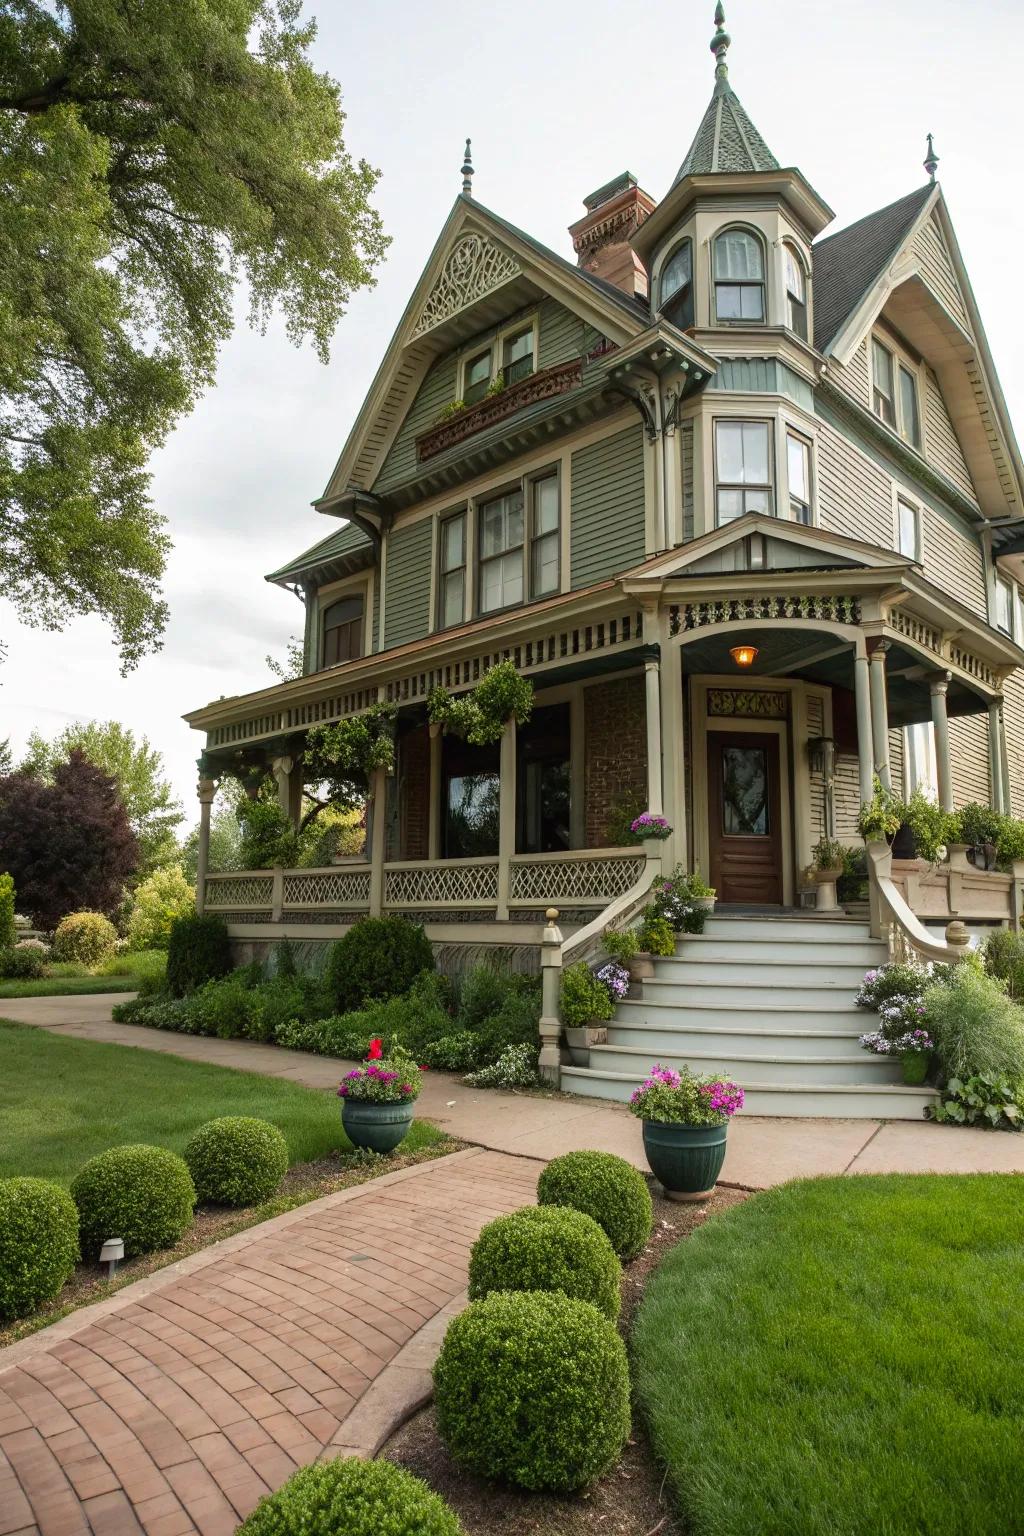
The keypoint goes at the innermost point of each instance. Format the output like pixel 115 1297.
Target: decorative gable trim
pixel 826 546
pixel 475 266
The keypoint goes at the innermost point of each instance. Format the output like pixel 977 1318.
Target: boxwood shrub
pixel 607 1188
pixel 198 950
pixel 545 1248
pixel 38 1243
pixel 349 1497
pixel 378 957
pixel 236 1160
pixel 21 964
pixel 87 937
pixel 533 1388
pixel 142 1194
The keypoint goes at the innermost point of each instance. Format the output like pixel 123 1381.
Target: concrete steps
pixel 768 1002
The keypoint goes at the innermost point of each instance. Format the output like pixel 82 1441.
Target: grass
pixel 67 978
pixel 843 1355
pixel 63 1100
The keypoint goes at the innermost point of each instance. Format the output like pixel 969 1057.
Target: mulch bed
pixel 302 1183
pixel 630 1500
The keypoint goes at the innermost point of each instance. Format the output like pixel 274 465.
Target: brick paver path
pixel 173 1407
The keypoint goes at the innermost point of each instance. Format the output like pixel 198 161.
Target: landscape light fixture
pixel 744 655
pixel 111 1255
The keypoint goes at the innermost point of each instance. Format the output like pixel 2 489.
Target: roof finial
pixel 931 160
pixel 720 44
pixel 467 171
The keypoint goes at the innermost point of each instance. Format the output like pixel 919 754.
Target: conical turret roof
pixel 726 139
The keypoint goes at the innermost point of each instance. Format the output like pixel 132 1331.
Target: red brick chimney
pixel 601 238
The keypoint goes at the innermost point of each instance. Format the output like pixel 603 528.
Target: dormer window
pixel 510 357
pixel 677 287
pixel 739 276
pixel 796 291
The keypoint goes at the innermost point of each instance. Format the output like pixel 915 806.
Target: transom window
pixel 343 631
pixel 677 287
pixel 796 291
pixel 894 393
pixel 798 465
pixel 519 541
pixel 452 571
pixel 909 516
pixel 743 474
pixel 739 276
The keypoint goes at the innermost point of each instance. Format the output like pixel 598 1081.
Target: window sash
pixel 678 273
pixel 909 529
pixel 910 413
pixel 343 638
pixel 1004 606
pixel 517 355
pixel 883 397
pixel 452 571
pixel 739 301
pixel 743 469
pixel 798 465
pixel 476 379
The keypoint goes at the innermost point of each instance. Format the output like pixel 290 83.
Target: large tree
pixel 68 845
pixel 138 770
pixel 152 153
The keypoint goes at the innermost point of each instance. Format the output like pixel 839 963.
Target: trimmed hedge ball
pixel 349 1497
pixel 545 1248
pixel 607 1188
pixel 532 1387
pixel 236 1160
pixel 144 1195
pixel 87 937
pixel 38 1243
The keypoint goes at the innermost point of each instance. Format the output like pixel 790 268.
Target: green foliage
pixel 457 1052
pixel 978 824
pixel 342 757
pixel 681 1097
pixel 347 1035
pixel 547 1248
pixel 583 998
pixel 827 853
pixel 377 957
pixel 1004 959
pixel 984 1099
pixel 142 1194
pixel 38 1243
pixel 880 817
pixel 480 716
pixel 532 1388
pixel 236 1160
pixel 21 964
pixel 284 960
pixel 622 946
pixel 516 1067
pixel 8 933
pixel 150 161
pixel 225 833
pixel 607 1188
pixel 1010 841
pixel 852 884
pixel 268 837
pixel 977 1029
pixel 163 896
pixel 627 806
pixel 88 937
pixel 198 950
pixel 350 1497
pixel 656 934
pixel 889 981
pixel 933 828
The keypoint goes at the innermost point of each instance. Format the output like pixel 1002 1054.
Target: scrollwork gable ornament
pixel 475 267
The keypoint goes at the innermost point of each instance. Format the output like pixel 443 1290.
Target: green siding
pixel 407 583
pixel 561 334
pixel 762 375
pixel 436 391
pixel 607 524
pixel 375 644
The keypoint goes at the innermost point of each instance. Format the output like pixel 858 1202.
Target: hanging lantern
pixel 744 655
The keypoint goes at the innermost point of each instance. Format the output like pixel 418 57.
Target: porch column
pixel 652 681
pixel 506 816
pixel 940 723
pixel 378 835
pixel 880 713
pixel 206 790
pixel 288 775
pixel 672 732
pixel 1000 796
pixel 434 818
pixel 865 749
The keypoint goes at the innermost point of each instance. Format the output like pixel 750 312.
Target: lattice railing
pixel 462 883
pixel 342 888
pixel 239 891
pixel 591 880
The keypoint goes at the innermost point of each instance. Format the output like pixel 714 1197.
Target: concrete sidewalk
pixel 762 1151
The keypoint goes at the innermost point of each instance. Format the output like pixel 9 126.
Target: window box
pixel 545 385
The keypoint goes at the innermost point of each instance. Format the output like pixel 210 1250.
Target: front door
pixel 745 836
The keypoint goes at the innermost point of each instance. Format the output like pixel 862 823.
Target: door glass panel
pixel 745 792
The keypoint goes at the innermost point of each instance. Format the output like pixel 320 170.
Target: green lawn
pixel 844 1356
pixel 63 1100
pixel 68 986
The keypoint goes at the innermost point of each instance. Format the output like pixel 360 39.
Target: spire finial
pixel 931 160
pixel 467 171
pixel 720 44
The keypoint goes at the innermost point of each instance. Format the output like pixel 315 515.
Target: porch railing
pixel 893 919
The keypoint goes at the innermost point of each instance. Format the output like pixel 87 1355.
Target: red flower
pixel 375 1052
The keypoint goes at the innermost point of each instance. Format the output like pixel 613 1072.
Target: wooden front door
pixel 743 805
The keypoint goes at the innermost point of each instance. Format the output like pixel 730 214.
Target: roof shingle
pixel 846 264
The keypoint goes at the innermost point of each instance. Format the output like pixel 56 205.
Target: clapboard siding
pixel 941 442
pixel 930 249
pixel 968 750
pixel 815 730
pixel 375 644
pixel 954 561
pixel 1013 729
pixel 846 796
pixel 852 378
pixel 562 334
pixel 854 495
pixel 897 764
pixel 686 453
pixel 436 391
pixel 607 516
pixel 407 578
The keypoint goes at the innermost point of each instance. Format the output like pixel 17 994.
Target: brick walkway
pixel 174 1406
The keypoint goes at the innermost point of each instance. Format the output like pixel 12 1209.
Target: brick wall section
pixel 615 748
pixel 415 792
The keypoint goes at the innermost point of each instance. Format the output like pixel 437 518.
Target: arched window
pixel 677 287
pixel 343 631
pixel 739 276
pixel 796 291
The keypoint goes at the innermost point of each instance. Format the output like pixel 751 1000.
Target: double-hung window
pixel 894 394
pixel 739 276
pixel 910 414
pixel 544 536
pixel 452 571
pixel 909 518
pixel 883 396
pixel 1004 605
pixel 476 378
pixel 796 292
pixel 502 532
pixel 743 472
pixel 676 289
pixel 517 355
pixel 343 631
pixel 798 465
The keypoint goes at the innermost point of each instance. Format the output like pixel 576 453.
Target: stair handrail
pixel 892 918
pixel 623 909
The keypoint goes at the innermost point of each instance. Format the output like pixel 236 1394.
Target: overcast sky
pixel 559 96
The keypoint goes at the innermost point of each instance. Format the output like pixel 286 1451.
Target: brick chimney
pixel 601 238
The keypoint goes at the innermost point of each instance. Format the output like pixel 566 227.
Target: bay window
pixel 738 259
pixel 743 473
pixel 676 289
pixel 796 291
pixel 798 465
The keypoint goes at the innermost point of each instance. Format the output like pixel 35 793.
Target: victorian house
pixel 740 497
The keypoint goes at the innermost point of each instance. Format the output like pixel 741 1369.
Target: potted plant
pixel 880 817
pixel 931 828
pixel 584 1003
pixel 656 936
pixel 826 871
pixel 649 827
pixel 377 1099
pixel 980 826
pixel 624 947
pixel 701 894
pixel 685 1120
pixel 684 900
pixel 914 1047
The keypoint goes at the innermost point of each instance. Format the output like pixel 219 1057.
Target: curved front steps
pixel 768 1002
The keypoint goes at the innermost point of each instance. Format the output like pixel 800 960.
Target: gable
pixel 929 246
pixel 780 547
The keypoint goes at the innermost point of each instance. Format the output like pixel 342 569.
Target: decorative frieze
pixel 474 268
pixel 757 606
pixel 748 703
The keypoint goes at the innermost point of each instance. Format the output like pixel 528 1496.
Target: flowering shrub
pixel 87 937
pixel 583 998
pixel 616 978
pixel 394 1081
pixel 648 825
pixel 914 1042
pixel 516 1067
pixel 888 982
pixel 680 1098
pixel 656 936
pixel 679 898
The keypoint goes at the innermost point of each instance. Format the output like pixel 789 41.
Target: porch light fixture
pixel 744 655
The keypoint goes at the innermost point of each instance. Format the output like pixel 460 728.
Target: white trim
pixel 494 342
pixel 911 499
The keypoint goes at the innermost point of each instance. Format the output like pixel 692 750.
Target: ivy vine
pixel 479 717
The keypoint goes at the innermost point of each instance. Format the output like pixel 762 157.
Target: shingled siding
pixel 854 494
pixel 941 443
pixel 1013 729
pixel 953 560
pixel 930 249
pixel 607 514
pixel 407 582
pixel 968 749
pixel 436 391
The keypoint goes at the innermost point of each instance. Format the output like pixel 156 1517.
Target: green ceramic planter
pixel 915 1066
pixel 377 1127
pixel 685 1159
